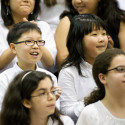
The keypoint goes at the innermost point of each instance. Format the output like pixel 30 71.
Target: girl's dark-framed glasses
pixel 32 42
pixel 45 94
pixel 119 69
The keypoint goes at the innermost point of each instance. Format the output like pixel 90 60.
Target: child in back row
pixel 87 38
pixel 108 99
pixel 30 100
pixel 25 41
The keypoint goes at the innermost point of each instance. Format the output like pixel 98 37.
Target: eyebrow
pixel 44 89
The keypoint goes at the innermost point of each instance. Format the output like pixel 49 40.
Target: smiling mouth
pixel 100 46
pixel 34 53
pixel 80 8
pixel 25 5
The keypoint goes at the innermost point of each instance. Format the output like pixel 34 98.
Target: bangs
pixel 94 25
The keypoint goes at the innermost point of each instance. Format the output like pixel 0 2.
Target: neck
pixel 40 121
pixel 115 105
pixel 17 18
pixel 27 67
pixel 90 60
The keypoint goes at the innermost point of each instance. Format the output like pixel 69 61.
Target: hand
pixel 58 92
pixel 25 19
pixel 110 42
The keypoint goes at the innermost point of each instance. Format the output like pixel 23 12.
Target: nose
pixel 35 45
pixel 51 96
pixel 101 38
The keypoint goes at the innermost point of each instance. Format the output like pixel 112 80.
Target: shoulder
pixel 47 72
pixel 66 120
pixel 65 20
pixel 89 115
pixel 42 24
pixel 7 76
pixel 69 70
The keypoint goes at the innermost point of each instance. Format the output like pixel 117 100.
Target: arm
pixel 49 51
pixel 68 100
pixel 47 59
pixel 61 40
pixel 6 57
pixel 121 36
pixel 3 88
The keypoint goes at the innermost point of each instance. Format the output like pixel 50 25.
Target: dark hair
pixel 81 25
pixel 108 11
pixel 71 12
pixel 8 19
pixel 101 65
pixel 20 28
pixel 13 112
pixel 50 3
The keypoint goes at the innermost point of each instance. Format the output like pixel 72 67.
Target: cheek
pixel 90 45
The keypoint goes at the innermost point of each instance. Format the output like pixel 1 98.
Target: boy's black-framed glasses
pixel 32 42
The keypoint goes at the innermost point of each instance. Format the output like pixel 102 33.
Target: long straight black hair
pixel 81 25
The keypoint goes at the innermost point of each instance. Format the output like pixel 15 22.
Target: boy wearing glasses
pixel 25 41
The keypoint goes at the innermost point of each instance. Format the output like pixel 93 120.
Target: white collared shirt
pixel 75 88
pixel 65 119
pixel 47 35
pixel 7 76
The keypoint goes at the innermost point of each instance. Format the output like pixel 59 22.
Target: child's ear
pixel 102 78
pixel 26 103
pixel 12 47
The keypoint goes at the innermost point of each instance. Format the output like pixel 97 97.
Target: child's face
pixel 114 81
pixel 94 43
pixel 85 6
pixel 42 106
pixel 28 55
pixel 24 7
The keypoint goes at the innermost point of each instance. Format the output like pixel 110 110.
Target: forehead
pixel 30 33
pixel 45 84
pixel 118 60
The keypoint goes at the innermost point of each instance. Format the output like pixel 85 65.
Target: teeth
pixel 34 53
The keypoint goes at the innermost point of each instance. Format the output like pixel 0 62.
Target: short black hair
pixel 20 28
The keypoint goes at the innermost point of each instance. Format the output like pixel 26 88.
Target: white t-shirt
pixel 51 14
pixel 46 35
pixel 75 88
pixel 7 76
pixel 98 114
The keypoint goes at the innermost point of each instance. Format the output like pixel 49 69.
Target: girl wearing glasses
pixel 30 100
pixel 106 104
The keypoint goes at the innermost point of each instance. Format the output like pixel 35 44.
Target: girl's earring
pixel 31 13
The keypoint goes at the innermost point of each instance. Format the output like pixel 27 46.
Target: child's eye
pixel 42 94
pixel 103 34
pixel 94 34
